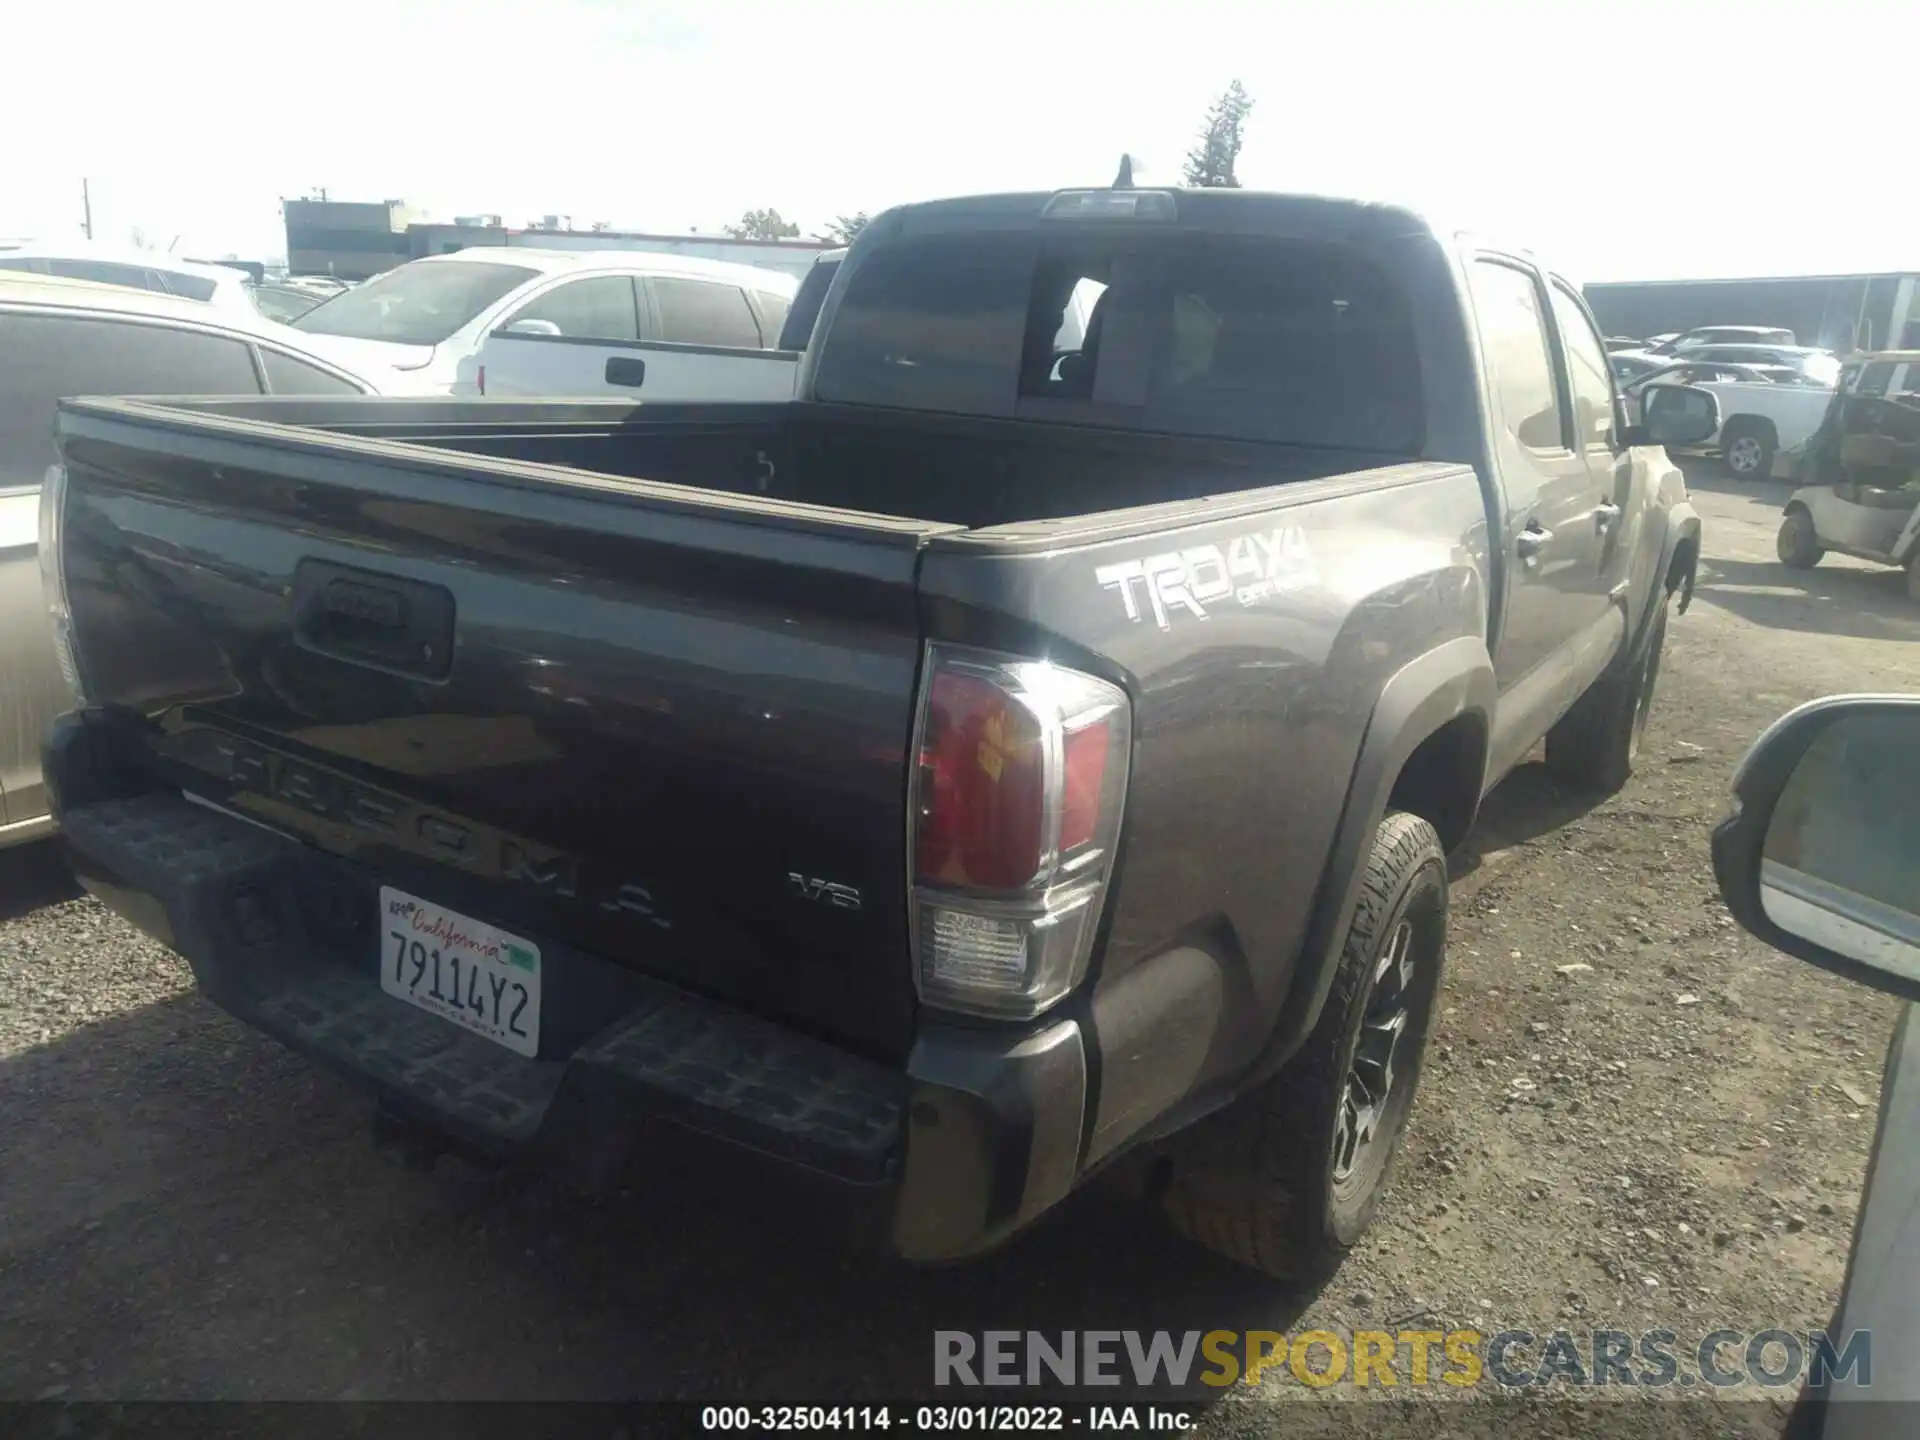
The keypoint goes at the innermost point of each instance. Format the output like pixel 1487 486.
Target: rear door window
pixel 288 376
pixel 600 307
pixel 1875 378
pixel 191 287
pixel 704 312
pixel 773 311
pixel 1587 373
pixel 45 356
pixel 1183 333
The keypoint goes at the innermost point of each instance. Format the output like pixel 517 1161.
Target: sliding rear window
pixel 1178 333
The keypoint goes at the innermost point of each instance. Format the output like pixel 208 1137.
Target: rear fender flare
pixel 1452 680
pixel 1679 560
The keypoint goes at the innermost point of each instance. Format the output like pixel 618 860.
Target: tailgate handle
pixel 382 621
pixel 625 370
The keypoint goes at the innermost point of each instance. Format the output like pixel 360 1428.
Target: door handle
pixel 1605 513
pixel 1529 540
pixel 625 370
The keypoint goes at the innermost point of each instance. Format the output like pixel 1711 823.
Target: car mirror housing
pixel 1675 415
pixel 1821 857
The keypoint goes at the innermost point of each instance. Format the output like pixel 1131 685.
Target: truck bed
pixel 636 681
pixel 958 471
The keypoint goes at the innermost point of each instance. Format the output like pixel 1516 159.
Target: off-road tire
pixel 1798 543
pixel 1255 1181
pixel 1761 451
pixel 1595 744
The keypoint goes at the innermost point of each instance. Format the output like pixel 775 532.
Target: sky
pixel 1621 140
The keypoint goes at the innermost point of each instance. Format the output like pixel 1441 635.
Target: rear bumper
pixel 979 1133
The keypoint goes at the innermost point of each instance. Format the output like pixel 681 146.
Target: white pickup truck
pixel 1764 425
pixel 507 320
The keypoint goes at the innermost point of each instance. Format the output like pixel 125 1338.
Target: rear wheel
pixel 1287 1178
pixel 1595 744
pixel 1798 543
pixel 1748 450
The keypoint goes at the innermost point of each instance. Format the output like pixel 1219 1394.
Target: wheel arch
pixel 1425 750
pixel 1750 424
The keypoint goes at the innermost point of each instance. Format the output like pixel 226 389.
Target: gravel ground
pixel 1633 1116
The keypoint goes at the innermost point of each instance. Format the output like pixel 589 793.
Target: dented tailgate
pixel 669 730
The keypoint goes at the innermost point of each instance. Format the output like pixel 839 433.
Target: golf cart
pixel 1864 462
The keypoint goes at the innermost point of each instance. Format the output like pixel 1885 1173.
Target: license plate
pixel 461 970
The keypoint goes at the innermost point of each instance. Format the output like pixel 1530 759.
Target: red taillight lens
pixel 1086 772
pixel 982 786
pixel 1017 797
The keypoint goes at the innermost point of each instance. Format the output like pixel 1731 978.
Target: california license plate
pixel 461 970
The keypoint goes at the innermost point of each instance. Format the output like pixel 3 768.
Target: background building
pixel 1841 312
pixel 354 241
pixel 347 239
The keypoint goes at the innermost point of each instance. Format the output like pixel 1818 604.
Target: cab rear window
pixel 1179 333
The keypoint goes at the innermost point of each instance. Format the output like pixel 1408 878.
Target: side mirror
pixel 529 327
pixel 1821 857
pixel 1675 415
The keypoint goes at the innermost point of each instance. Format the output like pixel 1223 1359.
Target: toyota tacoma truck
pixel 1036 747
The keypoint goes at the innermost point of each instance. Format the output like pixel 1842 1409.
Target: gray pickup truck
pixel 1009 757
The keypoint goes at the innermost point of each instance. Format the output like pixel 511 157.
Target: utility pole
pixel 86 205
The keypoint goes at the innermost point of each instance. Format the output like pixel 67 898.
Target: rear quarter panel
pixel 1254 634
pixel 31 690
pixel 1796 411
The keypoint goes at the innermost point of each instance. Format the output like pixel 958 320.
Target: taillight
pixel 1016 802
pixel 481 379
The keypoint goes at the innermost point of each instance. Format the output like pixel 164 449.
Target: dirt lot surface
pixel 1670 1133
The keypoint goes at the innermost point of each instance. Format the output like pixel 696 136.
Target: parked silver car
pixel 68 337
pixel 1821 858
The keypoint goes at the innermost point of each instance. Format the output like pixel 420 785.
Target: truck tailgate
pixel 667 727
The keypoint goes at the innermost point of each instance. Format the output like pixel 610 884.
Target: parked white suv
pixel 509 321
pixel 226 286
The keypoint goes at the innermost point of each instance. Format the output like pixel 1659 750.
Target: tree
pixel 844 227
pixel 1210 163
pixel 763 225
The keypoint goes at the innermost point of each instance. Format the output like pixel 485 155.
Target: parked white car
pixel 512 321
pixel 131 268
pixel 1724 335
pixel 69 337
pixel 1819 367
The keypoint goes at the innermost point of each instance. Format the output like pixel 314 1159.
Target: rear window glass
pixel 704 312
pixel 1184 333
pixel 421 303
pixel 288 376
pixel 191 287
